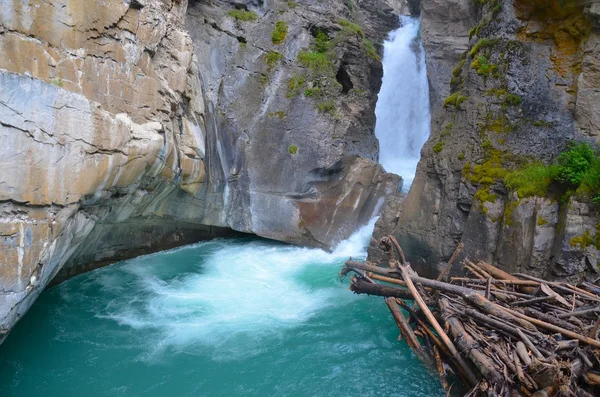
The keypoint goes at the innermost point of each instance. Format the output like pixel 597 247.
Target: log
pixel 502 275
pixel 522 352
pixel 406 331
pixel 440 367
pixel 491 308
pixel 386 279
pixel 549 319
pixel 554 328
pixel 492 322
pixel 530 345
pixel 374 269
pixel 578 313
pixel 360 286
pixel 448 266
pixel 533 301
pixel 468 345
pixel 417 297
pixel 567 344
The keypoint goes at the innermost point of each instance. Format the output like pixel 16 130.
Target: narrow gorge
pixel 259 144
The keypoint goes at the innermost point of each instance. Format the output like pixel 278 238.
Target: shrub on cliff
pixel 576 171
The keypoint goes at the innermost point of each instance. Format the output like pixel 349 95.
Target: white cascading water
pixel 403 116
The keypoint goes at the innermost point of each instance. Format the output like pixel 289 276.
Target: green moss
pixel 326 106
pixel 490 171
pixel 455 100
pixel 582 241
pixel 497 92
pixel 541 221
pixel 279 33
pixel 542 123
pixel 458 68
pixel 243 15
pixel 351 27
pixel 292 4
pixel 481 44
pixel 322 42
pixel 483 66
pixel 272 58
pixel 484 196
pixel 512 100
pixel 438 147
pixel 293 149
pixel 508 210
pixel 461 156
pixel 281 114
pixel 294 85
pixel 447 130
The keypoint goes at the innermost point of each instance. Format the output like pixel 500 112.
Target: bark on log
pixel 549 319
pixel 363 287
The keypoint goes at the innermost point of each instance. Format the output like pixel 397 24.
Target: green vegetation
pixel 541 221
pixel 576 171
pixel 57 82
pixel 512 100
pixel 370 50
pixel 322 42
pixel 483 66
pixel 326 106
pixel 542 123
pixel 438 147
pixel 292 4
pixel 481 44
pixel 455 100
pixel 531 181
pixel 456 72
pixel 461 156
pixel 272 58
pixel 243 15
pixel 312 92
pixel 281 114
pixel 586 239
pixel 279 33
pixel 350 27
pixel 293 149
pixel 294 85
pixel 316 61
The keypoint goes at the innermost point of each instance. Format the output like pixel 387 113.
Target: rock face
pixel 132 126
pixel 512 82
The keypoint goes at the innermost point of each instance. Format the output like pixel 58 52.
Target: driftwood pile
pixel 502 334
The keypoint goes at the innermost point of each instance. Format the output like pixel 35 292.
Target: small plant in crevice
pixel 295 84
pixel 243 15
pixel 293 149
pixel 279 33
pixel 455 99
pixel 272 58
pixel 438 147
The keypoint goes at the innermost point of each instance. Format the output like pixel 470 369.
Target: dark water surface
pixel 243 317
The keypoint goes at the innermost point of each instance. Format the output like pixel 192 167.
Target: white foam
pixel 251 289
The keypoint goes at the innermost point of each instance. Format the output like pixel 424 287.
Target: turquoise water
pixel 243 317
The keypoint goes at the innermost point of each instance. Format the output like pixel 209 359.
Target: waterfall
pixel 403 116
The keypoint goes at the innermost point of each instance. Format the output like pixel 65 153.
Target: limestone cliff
pixel 132 126
pixel 512 82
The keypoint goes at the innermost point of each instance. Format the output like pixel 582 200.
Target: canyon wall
pixel 512 83
pixel 132 126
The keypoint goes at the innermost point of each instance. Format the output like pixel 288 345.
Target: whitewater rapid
pixel 402 111
pixel 252 288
